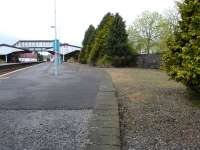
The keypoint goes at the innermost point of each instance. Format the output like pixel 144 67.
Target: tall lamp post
pixel 56 43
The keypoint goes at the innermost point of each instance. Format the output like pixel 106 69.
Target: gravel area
pixel 43 129
pixel 155 113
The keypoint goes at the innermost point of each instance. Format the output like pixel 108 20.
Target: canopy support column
pixel 6 58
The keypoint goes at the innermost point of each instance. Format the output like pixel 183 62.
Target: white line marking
pixel 9 73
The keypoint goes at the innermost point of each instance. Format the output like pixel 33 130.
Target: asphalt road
pixel 41 111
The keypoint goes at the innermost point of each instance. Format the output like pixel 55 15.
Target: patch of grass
pixel 194 98
pixel 195 103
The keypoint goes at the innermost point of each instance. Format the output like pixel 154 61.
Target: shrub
pixel 182 61
pixel 99 46
pixel 105 61
pixel 87 42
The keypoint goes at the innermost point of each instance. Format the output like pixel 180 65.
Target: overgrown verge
pixel 155 113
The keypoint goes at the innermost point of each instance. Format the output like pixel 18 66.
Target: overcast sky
pixel 32 19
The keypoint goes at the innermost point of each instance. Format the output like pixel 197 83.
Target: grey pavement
pixel 40 111
pixel 37 88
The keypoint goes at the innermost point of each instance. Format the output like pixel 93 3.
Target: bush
pixel 105 61
pixel 182 61
pixel 110 45
pixel 87 42
pixel 99 46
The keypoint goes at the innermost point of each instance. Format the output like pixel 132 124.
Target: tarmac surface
pixel 38 88
pixel 41 111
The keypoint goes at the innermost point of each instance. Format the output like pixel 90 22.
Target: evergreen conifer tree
pixel 89 36
pixel 182 61
pixel 117 42
pixel 99 45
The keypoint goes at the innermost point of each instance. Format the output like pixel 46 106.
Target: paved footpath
pixel 40 111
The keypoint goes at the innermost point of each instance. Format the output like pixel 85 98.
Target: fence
pixel 152 61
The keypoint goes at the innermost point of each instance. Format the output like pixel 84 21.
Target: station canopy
pixel 7 49
pixel 65 49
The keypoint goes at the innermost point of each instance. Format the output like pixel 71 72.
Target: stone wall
pixel 151 61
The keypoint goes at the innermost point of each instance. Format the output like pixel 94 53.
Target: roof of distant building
pixel 6 49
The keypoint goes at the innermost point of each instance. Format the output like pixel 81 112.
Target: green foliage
pixel 182 60
pixel 117 42
pixel 88 39
pixel 151 31
pixel 99 46
pixel 135 40
pixel 111 41
pixel 169 27
pixel 105 61
pixel 88 36
pixel 108 42
pixel 146 30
